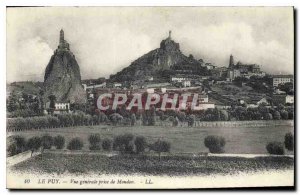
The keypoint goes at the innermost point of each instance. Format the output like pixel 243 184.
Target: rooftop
pixel 283 76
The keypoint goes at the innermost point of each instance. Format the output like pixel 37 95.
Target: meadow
pixel 49 163
pixel 239 140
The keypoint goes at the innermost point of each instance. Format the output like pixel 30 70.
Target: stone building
pixel 281 79
pixel 242 70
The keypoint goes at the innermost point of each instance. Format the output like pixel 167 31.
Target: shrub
pixel 129 148
pixel 59 142
pixel 276 115
pixel 116 118
pixel 20 144
pixel 161 146
pixel 95 140
pixel 122 143
pixel 106 144
pixel 289 141
pixel 75 144
pixel 12 149
pixel 268 116
pixel 34 144
pixel 140 144
pixel 284 114
pixel 215 144
pixel 47 142
pixel 291 115
pixel 275 148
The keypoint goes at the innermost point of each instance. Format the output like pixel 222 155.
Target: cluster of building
pixel 282 79
pixel 175 96
pixel 243 70
pixel 182 82
pixel 236 70
pixel 191 77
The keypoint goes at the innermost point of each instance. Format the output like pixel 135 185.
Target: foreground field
pixel 149 165
pixel 183 139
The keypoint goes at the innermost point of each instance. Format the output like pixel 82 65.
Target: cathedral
pixel 242 70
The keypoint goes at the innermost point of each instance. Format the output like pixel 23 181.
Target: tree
pixel 144 118
pixel 12 102
pixel 268 116
pixel 284 115
pixel 95 120
pixel 289 141
pixel 140 144
pixel 46 142
pixel 275 148
pixel 276 115
pixel 224 115
pixel 106 144
pixel 181 116
pixel 11 149
pixel 75 144
pixel 34 144
pixel 215 144
pixel 20 144
pixel 286 87
pixel 291 114
pixel 175 121
pixel 95 140
pixel 115 118
pixel 152 117
pixel 133 119
pixel 15 145
pixel 59 142
pixel 191 120
pixel 124 143
pixel 101 117
pixel 52 99
pixel 240 113
pixel 160 146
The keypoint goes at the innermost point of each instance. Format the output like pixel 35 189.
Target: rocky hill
pixel 62 76
pixel 167 57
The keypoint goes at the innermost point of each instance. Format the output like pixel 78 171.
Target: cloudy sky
pixel 107 39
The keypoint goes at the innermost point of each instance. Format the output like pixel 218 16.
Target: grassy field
pixel 183 139
pixel 149 165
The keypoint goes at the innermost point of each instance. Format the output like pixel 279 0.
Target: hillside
pixel 27 87
pixel 167 58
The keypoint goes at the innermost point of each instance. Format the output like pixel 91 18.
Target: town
pixel 217 87
pixel 203 101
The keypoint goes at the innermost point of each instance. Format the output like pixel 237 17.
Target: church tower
pixel 61 36
pixel 231 62
pixel 63 44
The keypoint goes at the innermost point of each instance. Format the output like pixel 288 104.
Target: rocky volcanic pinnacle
pixel 62 76
pixel 167 56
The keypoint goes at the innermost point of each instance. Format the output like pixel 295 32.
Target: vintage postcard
pixel 149 97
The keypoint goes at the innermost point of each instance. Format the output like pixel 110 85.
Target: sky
pixel 104 40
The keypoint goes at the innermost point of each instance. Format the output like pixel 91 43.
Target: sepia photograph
pixel 150 97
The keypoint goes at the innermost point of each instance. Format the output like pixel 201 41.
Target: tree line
pixel 150 117
pixel 127 144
